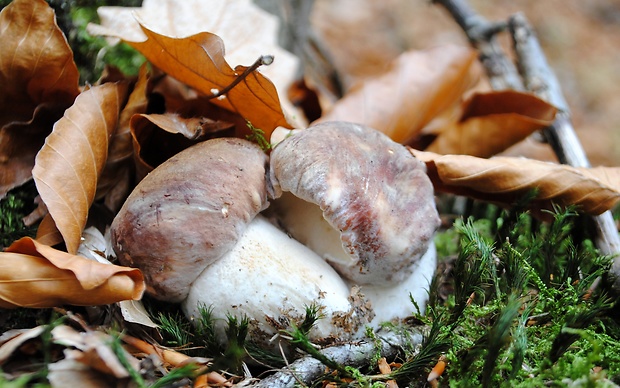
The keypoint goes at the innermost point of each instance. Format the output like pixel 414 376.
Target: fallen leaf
pixel 134 311
pixel 68 371
pixel 157 137
pixel 248 32
pixel 93 245
pixel 198 61
pixel 116 178
pixel 416 88
pixel 13 339
pixel 69 164
pixel 36 275
pixel 493 121
pixel 506 180
pixel 93 350
pixel 38 81
pixel 168 356
pixel 47 232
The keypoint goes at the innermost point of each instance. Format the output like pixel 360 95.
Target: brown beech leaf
pixel 92 348
pixel 36 275
pixel 247 30
pixel 416 87
pixel 198 61
pixel 47 232
pixel 114 184
pixel 505 180
pixel 493 121
pixel 38 81
pixel 12 340
pixel 158 137
pixel 69 164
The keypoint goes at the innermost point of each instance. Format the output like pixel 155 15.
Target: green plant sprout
pixel 258 136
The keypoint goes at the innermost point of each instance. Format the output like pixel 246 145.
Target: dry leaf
pixel 198 61
pixel 157 137
pixel 66 372
pixel 13 339
pixel 93 350
pixel 117 176
pixel 416 88
pixel 506 180
pixel 247 31
pixel 47 232
pixel 69 164
pixel 38 81
pixel 492 122
pixel 134 311
pixel 36 275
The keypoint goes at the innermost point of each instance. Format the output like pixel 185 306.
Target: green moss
pixel 531 318
pixel 17 204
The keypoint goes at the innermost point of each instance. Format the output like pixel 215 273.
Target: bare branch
pixel 481 33
pixel 308 369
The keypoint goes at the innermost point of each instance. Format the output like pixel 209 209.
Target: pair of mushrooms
pixel 355 218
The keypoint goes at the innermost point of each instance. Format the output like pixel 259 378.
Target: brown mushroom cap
pixel 369 188
pixel 189 212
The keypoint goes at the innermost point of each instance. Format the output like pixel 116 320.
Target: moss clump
pixel 525 310
pixel 17 204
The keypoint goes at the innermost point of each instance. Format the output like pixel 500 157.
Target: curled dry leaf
pixel 47 232
pixel 492 122
pixel 68 165
pixel 12 340
pixel 115 182
pixel 247 30
pixel 157 137
pixel 36 275
pixel 198 61
pixel 93 349
pixel 38 81
pixel 417 87
pixel 505 180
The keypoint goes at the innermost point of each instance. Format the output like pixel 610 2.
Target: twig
pixel 541 80
pixel 263 60
pixel 481 33
pixel 307 369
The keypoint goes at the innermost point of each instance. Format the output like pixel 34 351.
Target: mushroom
pixel 362 202
pixel 191 226
pixel 182 217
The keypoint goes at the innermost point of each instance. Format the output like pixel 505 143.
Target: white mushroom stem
pixel 393 301
pixel 270 278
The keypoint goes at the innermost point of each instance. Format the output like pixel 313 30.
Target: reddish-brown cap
pixel 189 212
pixel 369 188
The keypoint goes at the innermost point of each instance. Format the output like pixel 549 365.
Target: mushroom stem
pixel 271 278
pixel 393 301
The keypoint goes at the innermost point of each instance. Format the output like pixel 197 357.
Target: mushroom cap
pixel 270 278
pixel 369 189
pixel 189 212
